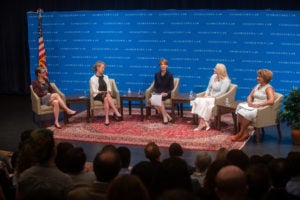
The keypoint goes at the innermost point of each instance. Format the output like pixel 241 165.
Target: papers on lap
pixel 245 106
pixel 156 99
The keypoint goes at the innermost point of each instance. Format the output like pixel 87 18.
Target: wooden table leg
pixel 88 111
pixel 142 110
pixel 129 106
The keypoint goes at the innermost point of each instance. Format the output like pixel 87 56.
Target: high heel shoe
pixel 243 138
pixel 57 126
pixel 71 114
pixel 106 123
pixel 198 128
pixel 207 128
pixel 165 120
pixel 234 138
pixel 170 119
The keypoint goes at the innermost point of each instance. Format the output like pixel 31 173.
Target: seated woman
pixel 101 90
pixel 202 106
pixel 163 84
pixel 42 87
pixel 261 95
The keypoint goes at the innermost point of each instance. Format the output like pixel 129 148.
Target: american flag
pixel 41 45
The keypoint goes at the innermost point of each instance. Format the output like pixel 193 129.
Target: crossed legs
pixel 57 102
pixel 109 103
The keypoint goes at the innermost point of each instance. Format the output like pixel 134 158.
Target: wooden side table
pixel 222 108
pixel 133 96
pixel 76 98
pixel 179 100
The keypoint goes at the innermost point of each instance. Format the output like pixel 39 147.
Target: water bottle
pixel 191 94
pixel 227 102
pixel 129 91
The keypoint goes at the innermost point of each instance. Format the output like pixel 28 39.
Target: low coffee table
pixel 222 108
pixel 77 98
pixel 133 96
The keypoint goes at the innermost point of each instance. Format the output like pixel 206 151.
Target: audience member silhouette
pixel 202 162
pixel 152 153
pixel 127 187
pixel 125 156
pixel 106 165
pixel 239 158
pixel 280 175
pixel 145 171
pixel 177 194
pixel 222 154
pixel 175 149
pixel 61 149
pixel 259 181
pixel 75 160
pixel 231 183
pixel 171 174
pixel 208 190
pixel 293 185
pixel 43 180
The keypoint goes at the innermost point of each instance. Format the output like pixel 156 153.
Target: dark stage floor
pixel 16 116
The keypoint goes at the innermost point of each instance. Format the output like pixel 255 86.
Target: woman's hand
pixel 164 94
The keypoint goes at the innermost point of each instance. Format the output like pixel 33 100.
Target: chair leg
pixel 257 135
pixel 279 131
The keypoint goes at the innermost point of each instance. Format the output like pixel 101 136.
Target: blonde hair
pixel 221 71
pixel 97 64
pixel 163 61
pixel 266 74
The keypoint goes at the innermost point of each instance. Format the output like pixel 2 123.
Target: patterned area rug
pixel 133 131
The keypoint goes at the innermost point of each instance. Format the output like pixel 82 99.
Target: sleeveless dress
pixel 259 96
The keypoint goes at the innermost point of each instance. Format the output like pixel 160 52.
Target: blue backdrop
pixel 131 43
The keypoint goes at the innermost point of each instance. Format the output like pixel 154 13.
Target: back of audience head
pixel 202 161
pixel 128 187
pixel 125 156
pixel 172 174
pixel 61 149
pixel 107 165
pixel 152 152
pixel 75 159
pixel 109 147
pixel 231 183
pixel 221 154
pixel 145 171
pixel 175 149
pixel 259 180
pixel 209 180
pixel 239 158
pixel 293 158
pixel 279 170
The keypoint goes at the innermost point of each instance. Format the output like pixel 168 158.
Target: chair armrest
pixel 148 94
pixel 35 101
pixel 175 90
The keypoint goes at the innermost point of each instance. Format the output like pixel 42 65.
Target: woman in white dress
pixel 202 106
pixel 261 95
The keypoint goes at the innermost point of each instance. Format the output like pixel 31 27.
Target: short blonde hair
pixel 266 74
pixel 163 61
pixel 97 64
pixel 222 72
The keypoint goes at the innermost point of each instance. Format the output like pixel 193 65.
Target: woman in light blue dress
pixel 202 106
pixel 261 95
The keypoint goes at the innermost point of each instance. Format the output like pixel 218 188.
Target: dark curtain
pixel 14 52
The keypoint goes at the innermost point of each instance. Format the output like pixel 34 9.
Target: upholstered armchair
pixel 168 102
pixel 268 116
pixel 99 105
pixel 230 94
pixel 39 109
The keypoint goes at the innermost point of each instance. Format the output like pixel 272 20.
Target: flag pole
pixel 41 45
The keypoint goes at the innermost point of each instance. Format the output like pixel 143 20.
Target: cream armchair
pixel 268 116
pixel 230 94
pixel 99 105
pixel 39 109
pixel 168 102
